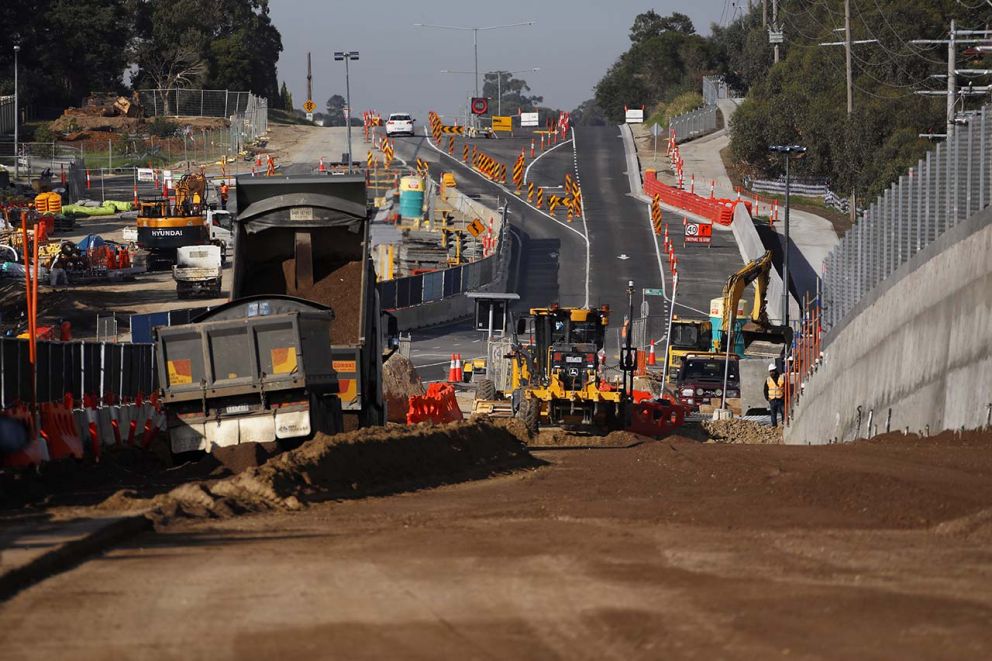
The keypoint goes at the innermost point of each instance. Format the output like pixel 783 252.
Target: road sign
pixel 309 116
pixel 655 130
pixel 504 124
pixel 654 292
pixel 480 105
pixel 475 228
pixel 698 232
pixel 634 116
pixel 645 309
pixel 309 105
pixel 529 119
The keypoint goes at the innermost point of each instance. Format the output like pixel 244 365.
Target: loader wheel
pixel 528 413
pixel 485 390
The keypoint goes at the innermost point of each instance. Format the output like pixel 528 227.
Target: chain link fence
pixel 714 89
pixel 693 123
pixel 194 103
pixel 951 183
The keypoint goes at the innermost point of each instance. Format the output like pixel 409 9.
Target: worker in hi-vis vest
pixel 775 393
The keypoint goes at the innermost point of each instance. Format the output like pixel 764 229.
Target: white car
pixel 399 123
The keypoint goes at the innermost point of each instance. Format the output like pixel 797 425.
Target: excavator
pixel 165 227
pixel 757 325
pixel 558 380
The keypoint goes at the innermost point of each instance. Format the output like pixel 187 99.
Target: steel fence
pixel 193 102
pixel 714 89
pixel 694 123
pixel 6 114
pixel 951 183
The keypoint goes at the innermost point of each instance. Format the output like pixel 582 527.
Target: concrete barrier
pixel 914 353
pixel 750 246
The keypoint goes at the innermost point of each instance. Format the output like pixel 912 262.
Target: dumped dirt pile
pixel 362 462
pixel 557 438
pixel 745 432
pixel 340 290
pixel 400 382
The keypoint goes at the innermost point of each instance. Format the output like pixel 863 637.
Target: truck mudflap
pixel 189 434
pixel 656 418
pixel 346 363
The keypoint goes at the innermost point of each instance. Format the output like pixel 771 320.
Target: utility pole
pixel 309 78
pixel 775 24
pixel 951 79
pixel 764 13
pixel 852 201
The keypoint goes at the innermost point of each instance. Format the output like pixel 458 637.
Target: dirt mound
pixel 400 382
pixel 557 438
pixel 745 432
pixel 363 462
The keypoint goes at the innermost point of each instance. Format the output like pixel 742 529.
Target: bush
pixel 162 127
pixel 44 133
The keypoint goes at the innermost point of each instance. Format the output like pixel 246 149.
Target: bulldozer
pixel 558 380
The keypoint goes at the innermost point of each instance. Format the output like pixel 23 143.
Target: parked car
pixel 699 383
pixel 399 123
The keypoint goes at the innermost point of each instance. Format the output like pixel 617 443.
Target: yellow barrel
pixel 54 202
pixel 41 202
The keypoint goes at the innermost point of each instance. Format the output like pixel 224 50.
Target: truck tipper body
pixel 301 239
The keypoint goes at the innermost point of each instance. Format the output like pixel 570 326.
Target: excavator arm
pixel 757 272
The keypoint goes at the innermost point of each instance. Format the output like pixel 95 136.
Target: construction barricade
pixel 438 405
pixel 718 210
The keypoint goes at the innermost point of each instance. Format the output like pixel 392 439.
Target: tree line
pixel 72 48
pixel 803 98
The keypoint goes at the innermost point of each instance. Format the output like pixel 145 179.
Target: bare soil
pixel 340 290
pixel 671 549
pixel 400 382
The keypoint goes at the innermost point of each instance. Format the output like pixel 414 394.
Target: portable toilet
pixel 716 320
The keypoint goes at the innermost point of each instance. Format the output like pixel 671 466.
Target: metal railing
pixel 714 89
pixel 951 183
pixel 6 114
pixel 693 123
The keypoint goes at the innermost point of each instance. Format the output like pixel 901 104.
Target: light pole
pixel 17 161
pixel 475 38
pixel 788 150
pixel 347 56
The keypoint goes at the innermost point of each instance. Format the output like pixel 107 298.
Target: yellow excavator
pixel 757 325
pixel 165 227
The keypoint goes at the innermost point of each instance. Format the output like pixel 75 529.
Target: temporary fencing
pixel 951 183
pixel 694 123
pixel 717 210
pixel 194 102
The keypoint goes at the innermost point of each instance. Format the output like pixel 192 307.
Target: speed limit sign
pixel 692 229
pixel 698 232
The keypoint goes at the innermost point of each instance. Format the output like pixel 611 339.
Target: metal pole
pixel 775 25
pixel 785 258
pixel 668 339
pixel 729 334
pixel 850 92
pixel 951 80
pixel 475 39
pixel 17 162
pixel 347 113
pixel 499 93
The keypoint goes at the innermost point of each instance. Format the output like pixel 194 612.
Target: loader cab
pixel 568 341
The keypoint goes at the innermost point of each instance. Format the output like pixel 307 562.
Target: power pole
pixel 775 24
pixel 951 79
pixel 852 202
pixel 764 13
pixel 309 79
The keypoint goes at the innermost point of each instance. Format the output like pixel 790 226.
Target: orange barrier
pixel 36 451
pixel 718 210
pixel 656 418
pixel 438 405
pixel 59 428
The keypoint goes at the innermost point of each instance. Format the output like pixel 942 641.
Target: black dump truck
pixel 299 349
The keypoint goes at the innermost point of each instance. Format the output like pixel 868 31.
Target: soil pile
pixel 400 382
pixel 745 432
pixel 340 290
pixel 359 463
pixel 557 438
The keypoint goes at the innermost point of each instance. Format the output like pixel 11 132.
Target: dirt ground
pixel 671 549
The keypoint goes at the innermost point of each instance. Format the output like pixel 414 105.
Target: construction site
pixel 484 386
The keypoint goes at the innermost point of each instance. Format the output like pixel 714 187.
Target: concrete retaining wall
pixel 915 353
pixel 750 246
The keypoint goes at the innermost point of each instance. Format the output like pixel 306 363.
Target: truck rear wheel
pixel 485 390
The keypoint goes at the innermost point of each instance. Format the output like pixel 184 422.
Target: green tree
pixel 285 97
pixel 650 24
pixel 588 113
pixel 496 84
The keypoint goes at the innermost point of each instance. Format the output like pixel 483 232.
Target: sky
pixel 399 67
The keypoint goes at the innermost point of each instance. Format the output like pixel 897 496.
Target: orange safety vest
pixel 776 390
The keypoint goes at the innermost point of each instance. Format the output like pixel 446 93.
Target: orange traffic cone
pixel 452 374
pixel 651 357
pixel 458 367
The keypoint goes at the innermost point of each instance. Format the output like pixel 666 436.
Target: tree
pixel 285 97
pixel 513 91
pixel 650 24
pixel 335 111
pixel 588 113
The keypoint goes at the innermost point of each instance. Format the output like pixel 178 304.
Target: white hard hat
pixel 771 367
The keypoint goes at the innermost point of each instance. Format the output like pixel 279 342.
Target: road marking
pixel 584 235
pixel 544 153
pixel 585 225
pixel 623 256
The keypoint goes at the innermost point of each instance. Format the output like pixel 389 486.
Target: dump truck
pixel 198 271
pixel 302 267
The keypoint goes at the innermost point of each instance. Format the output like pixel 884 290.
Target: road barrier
pixel 717 210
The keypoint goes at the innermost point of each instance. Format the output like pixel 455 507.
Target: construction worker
pixel 775 393
pixel 223 195
pixel 56 272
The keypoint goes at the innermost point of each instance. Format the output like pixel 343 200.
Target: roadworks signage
pixel 529 119
pixel 634 116
pixel 698 232
pixel 309 106
pixel 476 228
pixel 146 174
pixel 501 123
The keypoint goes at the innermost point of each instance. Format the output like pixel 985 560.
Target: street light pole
pixel 347 56
pixel 787 150
pixel 17 161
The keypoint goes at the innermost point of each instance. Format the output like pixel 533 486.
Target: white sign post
pixel 529 119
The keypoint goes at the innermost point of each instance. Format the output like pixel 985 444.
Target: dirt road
pixel 669 549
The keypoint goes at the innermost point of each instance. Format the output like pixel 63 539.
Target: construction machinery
pixel 726 312
pixel 299 349
pixel 688 336
pixel 558 378
pixel 198 271
pixel 164 226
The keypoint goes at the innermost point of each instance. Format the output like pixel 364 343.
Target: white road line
pixel 585 225
pixel 510 195
pixel 542 155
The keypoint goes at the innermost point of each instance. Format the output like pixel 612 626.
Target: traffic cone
pixel 651 357
pixel 452 375
pixel 458 367
pixel 322 167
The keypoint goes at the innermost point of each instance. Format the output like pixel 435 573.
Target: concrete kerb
pixel 70 545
